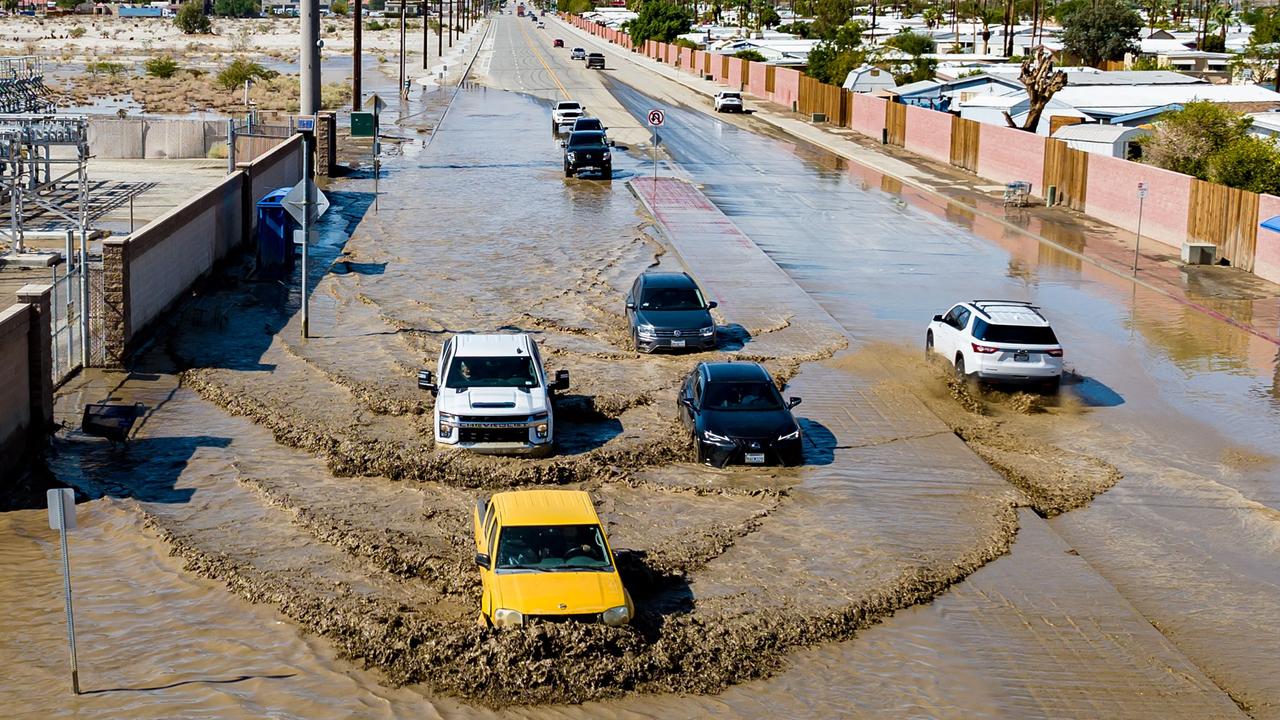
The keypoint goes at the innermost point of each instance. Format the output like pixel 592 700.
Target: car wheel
pixel 568 171
pixel 1053 386
pixel 928 345
pixel 607 170
pixel 635 341
pixel 960 368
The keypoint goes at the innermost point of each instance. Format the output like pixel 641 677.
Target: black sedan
pixel 736 415
pixel 667 310
pixel 587 150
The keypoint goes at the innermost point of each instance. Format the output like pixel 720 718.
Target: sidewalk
pixel 1235 297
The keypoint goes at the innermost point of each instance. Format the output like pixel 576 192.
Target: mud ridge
pixel 695 652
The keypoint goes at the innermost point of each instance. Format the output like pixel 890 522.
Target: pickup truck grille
pixel 511 419
pixel 493 435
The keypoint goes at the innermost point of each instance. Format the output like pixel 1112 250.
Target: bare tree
pixel 1042 82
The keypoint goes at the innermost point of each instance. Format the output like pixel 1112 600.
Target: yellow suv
pixel 543 554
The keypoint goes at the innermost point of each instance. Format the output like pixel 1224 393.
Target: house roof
pixel 918 88
pixel 1119 100
pixel 1095 132
pixel 1003 102
pixel 1267 120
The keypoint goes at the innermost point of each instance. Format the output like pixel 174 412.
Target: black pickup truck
pixel 595 60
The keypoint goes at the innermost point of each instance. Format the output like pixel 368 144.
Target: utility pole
pixel 426 36
pixel 440 29
pixel 309 58
pixel 404 4
pixel 358 26
pixel 450 23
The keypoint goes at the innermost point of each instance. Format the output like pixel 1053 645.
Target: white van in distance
pixel 493 396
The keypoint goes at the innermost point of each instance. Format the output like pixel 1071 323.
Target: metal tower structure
pixel 22 88
pixel 43 172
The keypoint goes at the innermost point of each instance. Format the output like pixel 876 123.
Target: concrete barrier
pixel 147 273
pixel 136 138
pixel 26 379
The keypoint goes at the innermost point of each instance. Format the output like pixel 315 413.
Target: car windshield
pixel 568 106
pixel 1015 334
pixel 731 96
pixel 748 395
pixel 469 372
pixel 588 124
pixel 586 141
pixel 552 547
pixel 672 298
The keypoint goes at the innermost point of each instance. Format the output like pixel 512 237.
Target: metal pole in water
pixel 1138 242
pixel 66 589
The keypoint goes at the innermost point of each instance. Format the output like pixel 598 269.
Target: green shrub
pixel 77 32
pixel 752 55
pixel 161 67
pixel 240 70
pixel 102 66
pixel 235 8
pixel 191 19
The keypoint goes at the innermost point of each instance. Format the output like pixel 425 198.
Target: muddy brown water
pixel 272 502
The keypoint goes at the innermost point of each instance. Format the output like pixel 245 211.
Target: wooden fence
pixel 895 123
pixel 1068 170
pixel 964 143
pixel 1226 217
pixel 817 97
pixel 770 78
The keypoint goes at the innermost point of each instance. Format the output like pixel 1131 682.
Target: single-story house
pixel 1265 124
pixel 1113 140
pixel 993 109
pixel 925 94
pixel 869 79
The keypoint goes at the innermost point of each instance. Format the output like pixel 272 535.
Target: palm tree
pixel 1222 15
pixel 932 17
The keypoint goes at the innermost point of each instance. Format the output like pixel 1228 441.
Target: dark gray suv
pixel 667 310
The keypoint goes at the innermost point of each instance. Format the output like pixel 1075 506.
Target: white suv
pixel 998 341
pixel 565 112
pixel 493 396
pixel 728 101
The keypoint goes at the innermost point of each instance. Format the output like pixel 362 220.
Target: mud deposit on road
pixel 321 491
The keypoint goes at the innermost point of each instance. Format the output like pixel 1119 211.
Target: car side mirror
pixel 562 380
pixel 793 402
pixel 686 402
pixel 562 143
pixel 937 318
pixel 426 381
pixel 482 559
pixel 713 305
pixel 611 143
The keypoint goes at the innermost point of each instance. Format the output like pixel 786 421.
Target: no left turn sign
pixel 657 117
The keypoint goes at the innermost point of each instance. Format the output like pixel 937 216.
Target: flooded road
pixel 301 474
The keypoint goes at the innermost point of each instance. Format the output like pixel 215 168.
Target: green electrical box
pixel 364 124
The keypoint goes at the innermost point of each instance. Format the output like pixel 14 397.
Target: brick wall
pixel 1112 197
pixel 868 115
pixel 1266 259
pixel 929 133
pixel 15 390
pixel 1006 155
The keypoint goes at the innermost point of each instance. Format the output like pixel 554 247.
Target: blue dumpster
pixel 275 236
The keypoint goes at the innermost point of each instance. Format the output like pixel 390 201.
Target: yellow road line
pixel 538 55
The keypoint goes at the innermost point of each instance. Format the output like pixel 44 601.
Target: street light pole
pixel 358 26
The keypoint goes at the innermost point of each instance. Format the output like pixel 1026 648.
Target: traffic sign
pixel 657 117
pixel 293 202
pixel 1142 190
pixel 62 508
pixel 306 123
pixel 376 102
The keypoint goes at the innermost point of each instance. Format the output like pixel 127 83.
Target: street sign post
pixel 62 517
pixel 1142 195
pixel 295 202
pixel 377 104
pixel 656 120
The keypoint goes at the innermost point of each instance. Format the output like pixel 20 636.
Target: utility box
pixel 363 124
pixel 1197 253
pixel 818 117
pixel 275 236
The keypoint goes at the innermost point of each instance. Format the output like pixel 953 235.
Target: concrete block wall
pixel 1266 258
pixel 929 133
pixel 135 138
pixel 868 115
pixel 1006 155
pixel 146 273
pixel 26 380
pixel 1112 197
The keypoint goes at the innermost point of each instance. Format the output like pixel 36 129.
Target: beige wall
pixel 15 387
pixel 132 138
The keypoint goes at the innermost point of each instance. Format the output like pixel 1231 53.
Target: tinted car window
pixel 588 124
pixel 742 396
pixel 469 372
pixel 672 298
pixel 1020 334
pixel 587 141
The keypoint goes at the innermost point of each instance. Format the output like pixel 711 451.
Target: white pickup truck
pixel 564 114
pixel 493 396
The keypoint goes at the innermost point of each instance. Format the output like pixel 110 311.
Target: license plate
pixel 1021 357
pixel 677 343
pixel 755 458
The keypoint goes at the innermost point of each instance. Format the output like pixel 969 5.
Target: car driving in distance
pixel 578 54
pixel 588 123
pixel 728 101
pixel 493 395
pixel 667 310
pixel 595 60
pixel 1000 341
pixel 735 414
pixel 564 113
pixel 557 43
pixel 587 150
pixel 543 555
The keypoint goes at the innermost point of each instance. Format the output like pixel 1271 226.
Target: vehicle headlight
pixel 541 431
pixel 716 439
pixel 573 157
pixel 616 616
pixel 447 423
pixel 707 331
pixel 793 435
pixel 502 617
pixel 605 156
pixel 645 330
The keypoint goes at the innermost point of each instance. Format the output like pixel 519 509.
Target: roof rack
pixel 981 305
